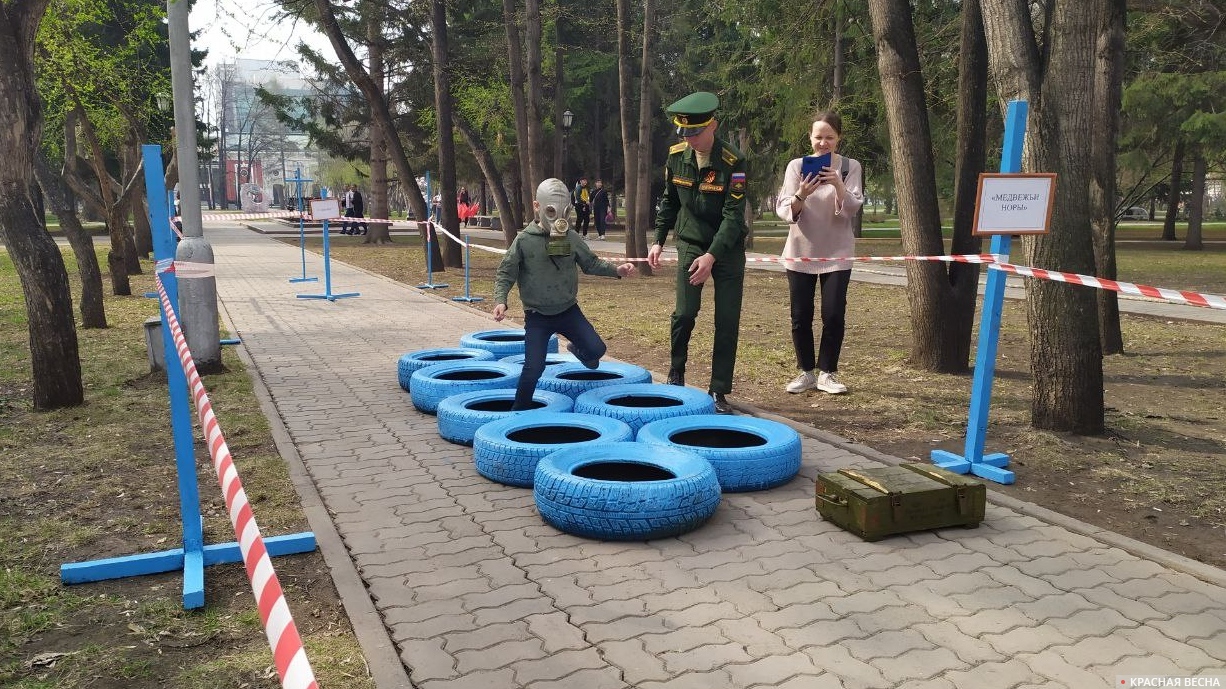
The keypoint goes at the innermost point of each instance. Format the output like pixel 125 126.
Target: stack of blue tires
pixel 609 455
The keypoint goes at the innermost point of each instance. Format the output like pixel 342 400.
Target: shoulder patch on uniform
pixel 678 148
pixel 737 183
pixel 728 156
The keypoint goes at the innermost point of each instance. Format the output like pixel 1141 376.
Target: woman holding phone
pixel 819 200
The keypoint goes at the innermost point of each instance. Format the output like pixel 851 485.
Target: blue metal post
pixel 468 243
pixel 973 460
pixel 176 381
pixel 194 556
pixel 298 180
pixel 328 275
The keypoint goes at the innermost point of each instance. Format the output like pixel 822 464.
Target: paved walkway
pixel 477 592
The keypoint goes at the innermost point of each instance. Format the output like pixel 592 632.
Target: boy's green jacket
pixel 548 284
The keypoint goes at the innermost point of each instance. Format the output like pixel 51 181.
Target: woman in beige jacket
pixel 820 209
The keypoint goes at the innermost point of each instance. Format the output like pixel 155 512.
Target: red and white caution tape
pixel 289 214
pixel 1209 301
pixel 461 242
pixel 289 656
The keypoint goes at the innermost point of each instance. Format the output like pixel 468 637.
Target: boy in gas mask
pixel 545 260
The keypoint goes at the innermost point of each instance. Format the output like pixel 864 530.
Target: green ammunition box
pixel 875 503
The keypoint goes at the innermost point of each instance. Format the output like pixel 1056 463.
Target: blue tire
pixel 507 450
pixel 432 384
pixel 502 342
pixel 428 357
pixel 625 491
pixel 575 379
pixel 459 416
pixel 747 453
pixel 641 403
pixel 551 359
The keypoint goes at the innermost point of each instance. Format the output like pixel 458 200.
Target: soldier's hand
pixel 700 269
pixel 500 312
pixel 653 255
pixel 625 269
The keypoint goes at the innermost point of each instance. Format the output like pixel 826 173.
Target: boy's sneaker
pixel 802 382
pixel 591 363
pixel 826 382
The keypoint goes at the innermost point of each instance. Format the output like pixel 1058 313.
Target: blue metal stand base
pixel 431 285
pixel 231 341
pixel 330 297
pixel 468 299
pixel 990 467
pixel 304 279
pixel 192 564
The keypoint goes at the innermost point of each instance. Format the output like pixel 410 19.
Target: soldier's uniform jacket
pixel 706 208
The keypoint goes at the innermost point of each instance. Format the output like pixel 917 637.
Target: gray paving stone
pixel 704 658
pixel 970 649
pixel 604 678
pixel 889 644
pixel 837 661
pixel 485 637
pixel 921 664
pixel 427 660
pixel 1090 623
pixel 1153 639
pixel 497 679
pixel 636 664
pixel 757 641
pixel 717 679
pixel 555 666
pixel 624 628
pixel 998 675
pixel 1052 665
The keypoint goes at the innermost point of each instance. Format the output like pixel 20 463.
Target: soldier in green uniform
pixel 704 203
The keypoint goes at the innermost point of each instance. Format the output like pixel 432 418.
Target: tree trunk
pixel 54 356
pixel 1196 203
pixel 129 237
pixel 142 235
pixel 970 162
pixel 559 102
pixel 452 256
pixel 1108 94
pixel 636 232
pixel 523 172
pixel 379 110
pixel 489 167
pixel 928 294
pixel 377 206
pixel 93 309
pixel 625 102
pixel 1066 355
pixel 1172 199
pixel 536 96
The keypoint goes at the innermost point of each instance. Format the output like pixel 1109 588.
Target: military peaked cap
pixel 694 112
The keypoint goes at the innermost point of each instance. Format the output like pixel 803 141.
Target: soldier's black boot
pixel 676 376
pixel 721 403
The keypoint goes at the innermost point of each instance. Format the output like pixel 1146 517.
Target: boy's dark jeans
pixel 538 328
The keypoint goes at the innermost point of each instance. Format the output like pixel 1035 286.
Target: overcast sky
pixel 249 29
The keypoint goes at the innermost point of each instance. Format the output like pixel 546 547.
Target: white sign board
pixel 325 209
pixel 1014 203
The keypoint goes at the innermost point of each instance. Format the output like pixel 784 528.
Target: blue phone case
pixel 811 165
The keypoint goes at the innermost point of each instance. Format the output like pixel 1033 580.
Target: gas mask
pixel 554 214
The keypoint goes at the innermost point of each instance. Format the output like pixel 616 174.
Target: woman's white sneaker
pixel 826 382
pixel 802 382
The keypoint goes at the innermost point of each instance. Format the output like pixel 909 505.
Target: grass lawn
pixel 98 481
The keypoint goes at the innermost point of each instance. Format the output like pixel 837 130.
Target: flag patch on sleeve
pixel 737 183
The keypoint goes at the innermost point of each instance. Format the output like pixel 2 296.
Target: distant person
pixel 544 260
pixel 358 208
pixel 821 211
pixel 346 208
pixel 462 201
pixel 704 202
pixel 600 208
pixel 582 198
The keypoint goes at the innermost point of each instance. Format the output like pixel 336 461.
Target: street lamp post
pixel 568 118
pixel 197 292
